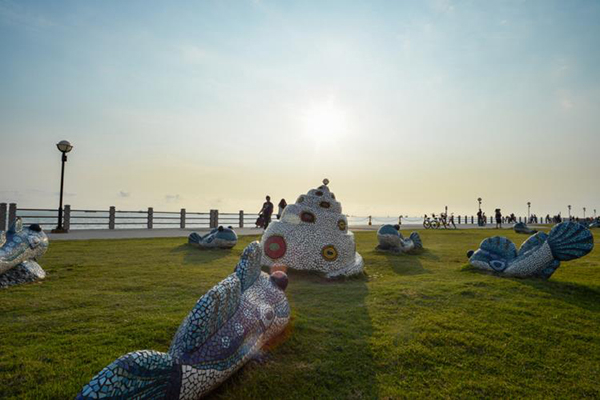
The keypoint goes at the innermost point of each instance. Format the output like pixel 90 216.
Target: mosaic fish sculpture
pixel 521 227
pixel 313 235
pixel 391 240
pixel 226 328
pixel 222 238
pixel 20 247
pixel 540 255
pixel 595 224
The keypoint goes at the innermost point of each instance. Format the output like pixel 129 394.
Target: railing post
pixel 67 218
pixel 216 218
pixel 182 218
pixel 472 220
pixel 3 215
pixel 241 218
pixel 150 217
pixel 111 217
pixel 459 219
pixel 12 214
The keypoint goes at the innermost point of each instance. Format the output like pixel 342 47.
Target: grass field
pixel 413 326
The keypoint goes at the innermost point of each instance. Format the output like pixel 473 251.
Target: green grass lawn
pixel 413 326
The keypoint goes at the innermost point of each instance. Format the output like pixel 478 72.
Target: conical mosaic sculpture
pixel 313 235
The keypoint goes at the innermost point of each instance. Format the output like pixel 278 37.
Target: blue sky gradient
pixel 404 106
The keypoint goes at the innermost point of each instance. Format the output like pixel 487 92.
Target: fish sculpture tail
pixel 140 374
pixel 194 239
pixel 416 240
pixel 569 241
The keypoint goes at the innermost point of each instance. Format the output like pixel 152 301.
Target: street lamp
pixel 569 206
pixel 479 200
pixel 583 212
pixel 594 213
pixel 64 146
pixel 528 209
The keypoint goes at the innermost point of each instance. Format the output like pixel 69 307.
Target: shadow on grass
pixel 195 255
pixel 406 264
pixel 573 293
pixel 327 346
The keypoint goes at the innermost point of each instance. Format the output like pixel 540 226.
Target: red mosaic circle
pixel 308 217
pixel 275 247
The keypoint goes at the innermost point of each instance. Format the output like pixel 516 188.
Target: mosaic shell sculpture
pixel 313 235
pixel 221 238
pixel 20 247
pixel 521 227
pixel 391 240
pixel 539 256
pixel 226 328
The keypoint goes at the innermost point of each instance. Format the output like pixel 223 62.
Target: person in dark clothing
pixel 498 218
pixel 266 211
pixel 282 205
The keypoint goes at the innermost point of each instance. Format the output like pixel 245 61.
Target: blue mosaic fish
pixel 20 247
pixel 540 255
pixel 391 240
pixel 521 227
pixel 224 238
pixel 226 328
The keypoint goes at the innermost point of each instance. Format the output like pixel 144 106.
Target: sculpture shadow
pixel 406 264
pixel 327 342
pixel 576 294
pixel 195 255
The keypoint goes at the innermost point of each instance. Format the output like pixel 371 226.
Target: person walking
pixel 266 211
pixel 282 205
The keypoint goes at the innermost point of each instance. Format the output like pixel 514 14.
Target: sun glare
pixel 324 121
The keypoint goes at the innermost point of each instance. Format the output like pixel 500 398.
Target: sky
pixel 405 106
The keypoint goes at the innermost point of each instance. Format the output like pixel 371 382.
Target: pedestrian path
pixel 91 234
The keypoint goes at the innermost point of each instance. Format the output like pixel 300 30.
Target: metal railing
pixel 150 219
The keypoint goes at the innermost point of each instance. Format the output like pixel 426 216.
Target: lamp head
pixel 64 146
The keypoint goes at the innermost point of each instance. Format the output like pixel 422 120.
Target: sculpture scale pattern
pixel 313 235
pixel 391 240
pixel 20 247
pixel 222 238
pixel 227 327
pixel 521 227
pixel 540 255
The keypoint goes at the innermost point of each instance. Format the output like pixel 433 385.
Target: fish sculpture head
pixel 22 244
pixel 493 254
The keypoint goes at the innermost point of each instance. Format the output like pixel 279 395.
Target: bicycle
pixel 431 223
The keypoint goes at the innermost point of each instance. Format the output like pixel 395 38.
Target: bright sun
pixel 324 121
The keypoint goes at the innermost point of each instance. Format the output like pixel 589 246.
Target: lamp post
pixel 594 213
pixel 528 210
pixel 583 212
pixel 64 146
pixel 569 206
pixel 479 201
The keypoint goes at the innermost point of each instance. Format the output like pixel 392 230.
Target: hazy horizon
pixel 405 107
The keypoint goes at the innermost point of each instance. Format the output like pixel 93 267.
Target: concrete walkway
pixel 90 234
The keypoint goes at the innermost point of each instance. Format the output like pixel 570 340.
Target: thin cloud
pixel 124 194
pixel 172 198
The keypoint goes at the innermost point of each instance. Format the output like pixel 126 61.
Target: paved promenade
pixel 88 234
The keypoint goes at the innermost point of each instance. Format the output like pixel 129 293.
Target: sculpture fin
pixel 211 312
pixel 248 268
pixel 416 240
pixel 570 240
pixel 194 238
pixel 142 374
pixel 17 226
pixel 533 242
pixel 500 246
